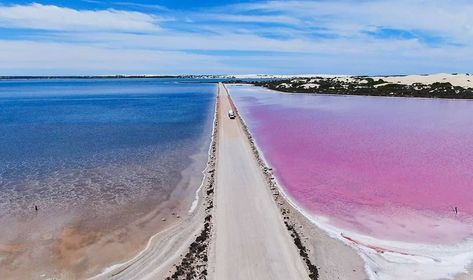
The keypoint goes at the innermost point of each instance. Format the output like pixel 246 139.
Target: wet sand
pixel 74 245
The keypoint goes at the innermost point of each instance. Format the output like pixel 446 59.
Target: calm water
pixel 97 144
pixel 388 167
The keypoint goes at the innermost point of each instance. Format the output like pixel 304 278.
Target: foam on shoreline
pixel 386 259
pixel 195 202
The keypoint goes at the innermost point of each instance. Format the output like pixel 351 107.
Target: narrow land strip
pixel 241 228
pixel 251 241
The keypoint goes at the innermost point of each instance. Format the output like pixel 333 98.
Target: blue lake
pixel 72 143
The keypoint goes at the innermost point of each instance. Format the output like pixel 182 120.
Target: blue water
pixel 95 143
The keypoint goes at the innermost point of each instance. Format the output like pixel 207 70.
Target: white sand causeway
pixel 250 239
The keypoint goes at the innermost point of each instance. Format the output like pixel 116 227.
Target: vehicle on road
pixel 231 114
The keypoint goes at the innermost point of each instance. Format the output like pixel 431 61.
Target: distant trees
pixel 367 86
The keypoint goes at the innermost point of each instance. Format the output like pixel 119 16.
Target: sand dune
pixel 461 80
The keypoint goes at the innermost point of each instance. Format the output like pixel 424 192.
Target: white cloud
pixel 49 17
pixel 241 18
pixel 448 18
pixel 275 36
pixel 45 58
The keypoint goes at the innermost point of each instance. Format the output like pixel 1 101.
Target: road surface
pixel 251 241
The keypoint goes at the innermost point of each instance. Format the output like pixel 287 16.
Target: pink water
pixel 392 168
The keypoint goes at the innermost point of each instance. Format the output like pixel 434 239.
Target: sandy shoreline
pixel 461 80
pixel 171 221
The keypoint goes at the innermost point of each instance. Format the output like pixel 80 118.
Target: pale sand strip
pixel 461 80
pixel 251 241
pixel 161 253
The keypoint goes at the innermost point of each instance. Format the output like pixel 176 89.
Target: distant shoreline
pixel 146 76
pixel 446 86
pixel 107 77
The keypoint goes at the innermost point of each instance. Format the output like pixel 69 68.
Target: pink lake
pixel 391 168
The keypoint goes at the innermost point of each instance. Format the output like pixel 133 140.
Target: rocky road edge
pixel 294 228
pixel 194 264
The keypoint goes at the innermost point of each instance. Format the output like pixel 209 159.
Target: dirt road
pixel 251 241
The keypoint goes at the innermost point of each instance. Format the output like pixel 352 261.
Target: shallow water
pixel 391 168
pixel 85 151
pixel 64 130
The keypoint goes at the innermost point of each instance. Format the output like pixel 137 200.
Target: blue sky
pixel 225 37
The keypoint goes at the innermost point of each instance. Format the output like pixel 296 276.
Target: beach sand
pixel 461 80
pixel 466 275
pixel 333 258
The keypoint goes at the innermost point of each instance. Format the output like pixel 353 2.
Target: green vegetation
pixel 367 86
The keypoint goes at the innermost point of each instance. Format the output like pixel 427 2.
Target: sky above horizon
pixel 367 37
